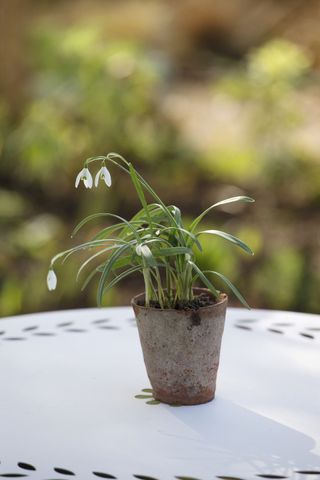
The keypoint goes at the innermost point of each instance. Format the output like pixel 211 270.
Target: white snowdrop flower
pixel 104 174
pixel 143 250
pixel 86 177
pixel 51 280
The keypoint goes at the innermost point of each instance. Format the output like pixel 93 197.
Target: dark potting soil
pixel 202 300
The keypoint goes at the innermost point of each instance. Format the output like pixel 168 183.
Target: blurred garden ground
pixel 209 99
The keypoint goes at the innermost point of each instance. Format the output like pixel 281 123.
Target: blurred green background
pixel 209 99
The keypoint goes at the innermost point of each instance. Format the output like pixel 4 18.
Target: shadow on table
pixel 249 443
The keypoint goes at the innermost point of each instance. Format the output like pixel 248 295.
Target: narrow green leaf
pixel 167 252
pixel 185 232
pixel 231 286
pixel 121 276
pixel 204 279
pixel 90 277
pixel 95 215
pixel 107 269
pixel 83 246
pixel 123 262
pixel 140 193
pixel 229 237
pixel 222 202
pixel 101 252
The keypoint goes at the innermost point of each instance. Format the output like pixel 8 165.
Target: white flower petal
pixel 145 250
pixel 87 178
pixel 97 178
pixel 106 176
pixel 51 280
pixel 79 177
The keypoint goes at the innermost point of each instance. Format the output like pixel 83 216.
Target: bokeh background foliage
pixel 203 103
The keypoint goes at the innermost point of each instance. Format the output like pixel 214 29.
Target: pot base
pixel 181 398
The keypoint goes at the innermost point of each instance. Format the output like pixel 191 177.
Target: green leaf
pixel 185 232
pixel 229 237
pixel 231 286
pixel 222 202
pixel 140 193
pixel 101 252
pixel 204 279
pixel 107 269
pixel 86 220
pixel 90 276
pixel 95 215
pixel 147 390
pixel 168 252
pixel 121 276
pixel 123 262
pixel 83 246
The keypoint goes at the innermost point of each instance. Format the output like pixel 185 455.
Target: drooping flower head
pixel 104 175
pixel 51 280
pixel 86 177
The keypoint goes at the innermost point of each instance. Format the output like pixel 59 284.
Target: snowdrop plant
pixel 155 242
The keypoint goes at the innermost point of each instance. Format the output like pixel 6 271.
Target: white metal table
pixel 69 406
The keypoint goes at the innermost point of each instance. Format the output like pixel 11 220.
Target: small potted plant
pixel 180 325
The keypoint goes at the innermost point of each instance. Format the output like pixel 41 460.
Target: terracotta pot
pixel 181 349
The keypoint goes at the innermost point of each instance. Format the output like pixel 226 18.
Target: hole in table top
pixel 26 466
pixel 247 320
pixel 243 327
pixel 308 472
pixel 65 324
pixel 102 320
pixel 14 338
pixel 109 327
pixel 1 333
pixel 63 471
pixel 223 477
pixel 103 475
pixel 13 475
pixel 29 329
pixel 270 475
pixel 314 329
pixel 282 324
pixel 307 335
pixel 75 330
pixel 274 330
pixel 44 334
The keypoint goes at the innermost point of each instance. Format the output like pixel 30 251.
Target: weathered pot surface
pixel 181 349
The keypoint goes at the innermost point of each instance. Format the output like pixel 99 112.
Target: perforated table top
pixel 72 401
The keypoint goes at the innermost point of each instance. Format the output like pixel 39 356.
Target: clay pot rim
pixel 223 299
